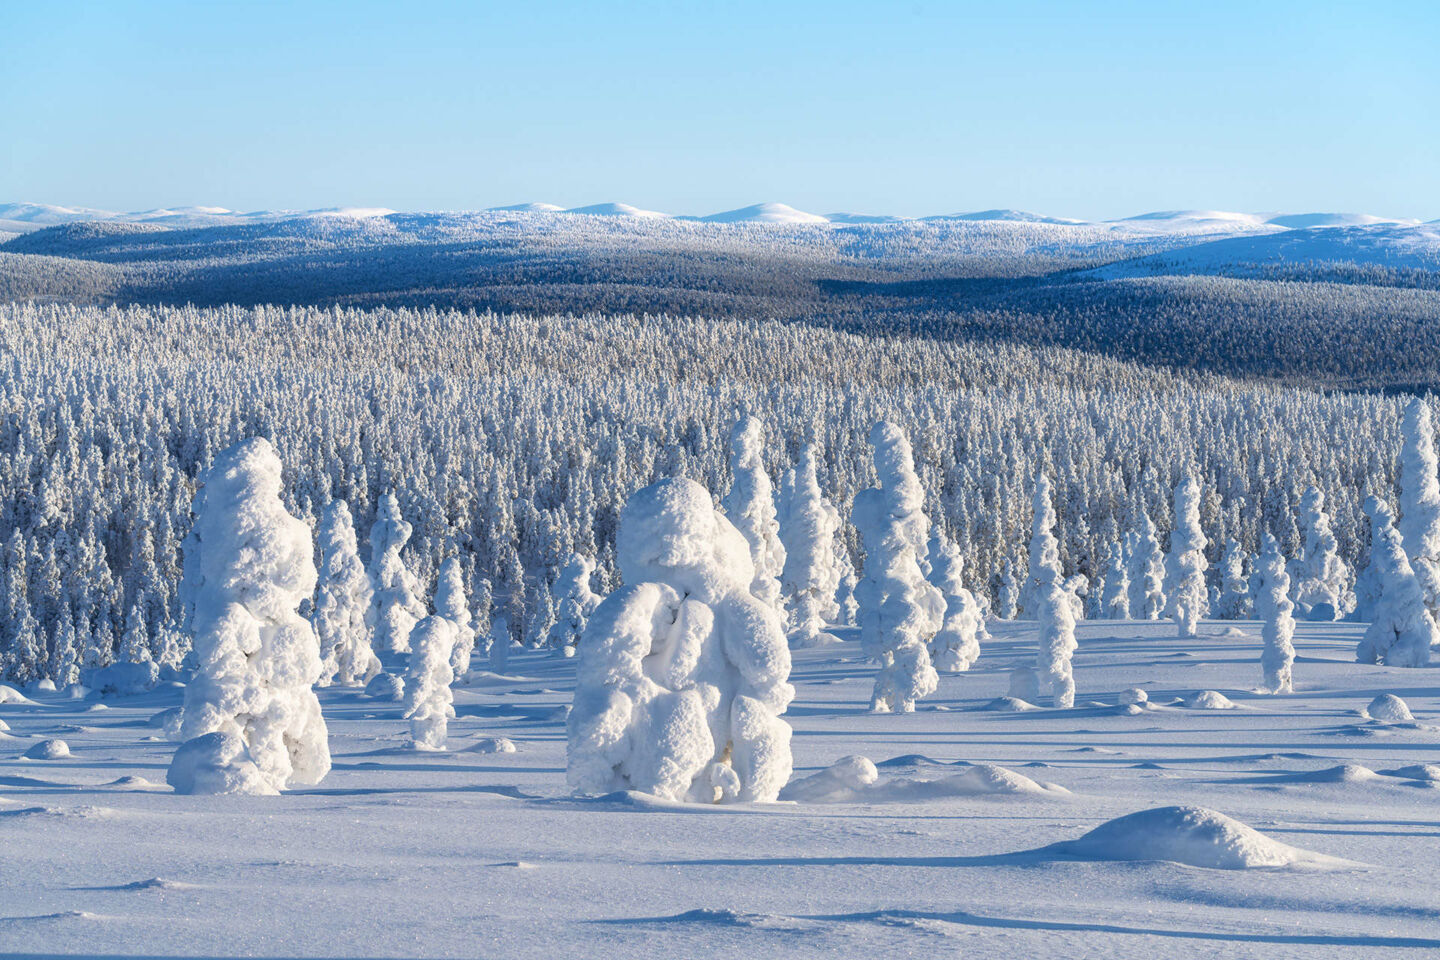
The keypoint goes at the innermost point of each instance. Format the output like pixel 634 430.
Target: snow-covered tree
pixel 683 672
pixel 1115 594
pixel 1320 577
pixel 427 682
pixel 811 575
pixel 750 505
pixel 1235 602
pixel 1008 592
pixel 1401 630
pixel 1419 524
pixel 1273 607
pixel 450 603
pixel 1147 573
pixel 248 566
pixel 1044 548
pixel 845 602
pixel 342 598
pixel 135 644
pixel 395 604
pixel 899 610
pixel 575 601
pixel 1185 593
pixel 957 645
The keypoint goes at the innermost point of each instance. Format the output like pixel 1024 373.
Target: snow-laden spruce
pixel 1115 589
pixel 1273 607
pixel 1044 548
pixel 427 682
pixel 1186 598
pixel 1054 606
pixel 341 601
pixel 450 603
pixel 396 604
pixel 811 575
pixel 1419 524
pixel 248 567
pixel 682 673
pixel 575 601
pixel 750 506
pixel 1401 629
pixel 1147 572
pixel 957 645
pixel 1321 579
pixel 1235 602
pixel 899 610
pixel 1007 593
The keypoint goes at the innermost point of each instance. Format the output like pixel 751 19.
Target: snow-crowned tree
pixel 1320 577
pixel 1185 593
pixel 135 644
pixel 65 656
pixel 683 672
pixel 482 602
pixel 1147 573
pixel 1008 593
pixel 1044 548
pixel 750 505
pixel 811 575
pixel 1054 606
pixel 395 604
pixel 1401 630
pixel 1115 595
pixel 342 598
pixel 957 645
pixel 450 603
pixel 501 639
pixel 575 601
pixel 845 600
pixel 1235 600
pixel 248 566
pixel 427 682
pixel 1077 588
pixel 1419 524
pixel 1273 607
pixel 899 610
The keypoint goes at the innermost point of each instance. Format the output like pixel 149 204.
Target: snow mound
pixel 1209 700
pixel 1345 773
pixel 1193 836
pixel 123 679
pixel 1389 708
pixel 492 745
pixel 1133 696
pixel 48 750
pixel 1130 709
pixel 856 780
pixel 765 213
pixel 11 695
pixel 217 763
pixel 1428 772
pixel 386 686
pixel 4 726
pixel 1009 705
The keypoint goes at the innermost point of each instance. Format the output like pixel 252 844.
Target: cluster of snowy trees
pixel 480 455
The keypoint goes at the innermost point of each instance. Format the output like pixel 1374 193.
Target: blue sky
pixel 1076 109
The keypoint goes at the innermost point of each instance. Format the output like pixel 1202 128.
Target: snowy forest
pixel 510 443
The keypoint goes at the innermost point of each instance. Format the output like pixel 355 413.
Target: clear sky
pixel 1089 110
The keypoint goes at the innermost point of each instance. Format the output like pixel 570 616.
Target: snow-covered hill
pixel 765 213
pixel 1383 245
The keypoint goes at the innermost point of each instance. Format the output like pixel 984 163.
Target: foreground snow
pixel 480 852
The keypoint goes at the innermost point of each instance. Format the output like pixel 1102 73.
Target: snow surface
pixel 472 853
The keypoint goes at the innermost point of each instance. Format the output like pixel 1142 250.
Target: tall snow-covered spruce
pixel 1419 524
pixel 1185 594
pixel 1147 572
pixel 1321 579
pixel 1401 630
pixel 811 576
pixel 683 673
pixel 451 604
pixel 957 645
pixel 575 600
pixel 750 506
pixel 341 601
pixel 396 604
pixel 1273 606
pixel 427 682
pixel 1054 607
pixel 899 610
pixel 248 566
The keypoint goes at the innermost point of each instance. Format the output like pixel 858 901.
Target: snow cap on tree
pixel 683 672
pixel 248 566
pixel 899 610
